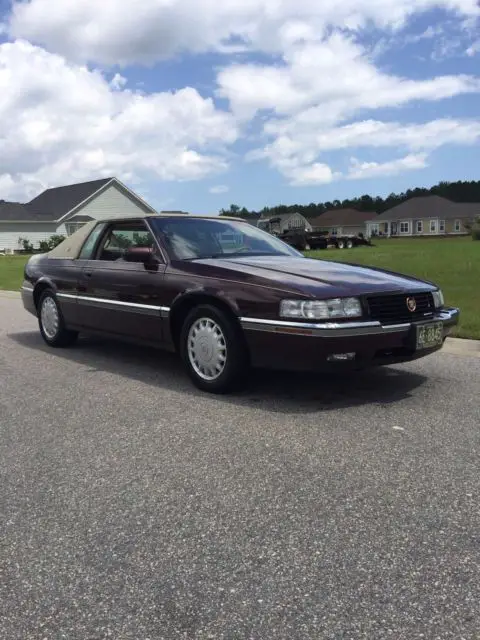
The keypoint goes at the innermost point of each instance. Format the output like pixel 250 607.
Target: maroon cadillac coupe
pixel 227 296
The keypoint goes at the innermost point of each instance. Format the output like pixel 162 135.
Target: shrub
pixel 475 228
pixel 54 241
pixel 26 244
pixel 44 246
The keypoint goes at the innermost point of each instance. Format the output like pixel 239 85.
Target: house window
pixel 433 226
pixel 374 229
pixel 419 226
pixel 458 226
pixel 442 226
pixel 71 227
pixel 334 231
pixel 404 227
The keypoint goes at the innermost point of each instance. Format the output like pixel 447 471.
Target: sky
pixel 197 104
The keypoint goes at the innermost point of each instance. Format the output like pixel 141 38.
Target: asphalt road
pixel 134 507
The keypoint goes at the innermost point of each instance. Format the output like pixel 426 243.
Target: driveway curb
pixel 456 346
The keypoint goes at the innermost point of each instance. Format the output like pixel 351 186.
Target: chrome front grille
pixel 393 308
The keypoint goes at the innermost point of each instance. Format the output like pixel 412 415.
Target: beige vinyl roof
pixel 71 246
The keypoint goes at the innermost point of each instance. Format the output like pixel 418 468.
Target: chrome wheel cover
pixel 207 349
pixel 50 318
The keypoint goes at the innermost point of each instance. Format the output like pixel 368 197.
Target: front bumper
pixel 292 345
pixel 28 298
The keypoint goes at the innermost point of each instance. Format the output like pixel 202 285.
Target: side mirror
pixel 144 255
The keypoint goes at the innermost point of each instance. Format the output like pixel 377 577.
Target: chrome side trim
pixel 324 329
pixel 119 305
pixel 28 289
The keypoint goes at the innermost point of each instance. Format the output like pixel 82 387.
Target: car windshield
pixel 197 238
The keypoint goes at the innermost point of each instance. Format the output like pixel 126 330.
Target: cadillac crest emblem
pixel 411 304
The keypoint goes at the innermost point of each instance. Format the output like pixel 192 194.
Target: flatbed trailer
pixel 306 240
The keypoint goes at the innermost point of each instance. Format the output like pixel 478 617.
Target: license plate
pixel 429 335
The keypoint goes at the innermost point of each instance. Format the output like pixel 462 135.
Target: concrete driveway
pixel 134 507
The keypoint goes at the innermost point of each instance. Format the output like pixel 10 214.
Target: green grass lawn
pixel 454 264
pixel 11 272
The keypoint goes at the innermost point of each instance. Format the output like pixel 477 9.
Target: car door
pixel 120 295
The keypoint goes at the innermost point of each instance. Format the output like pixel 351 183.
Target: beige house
pixel 342 222
pixel 63 210
pixel 424 216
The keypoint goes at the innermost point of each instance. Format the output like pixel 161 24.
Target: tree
pixel 455 191
pixel 232 211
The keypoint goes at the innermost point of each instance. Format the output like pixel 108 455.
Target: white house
pixel 62 210
pixel 278 224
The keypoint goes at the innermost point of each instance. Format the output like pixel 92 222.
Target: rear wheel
pixel 340 244
pixel 213 350
pixel 51 322
pixel 349 244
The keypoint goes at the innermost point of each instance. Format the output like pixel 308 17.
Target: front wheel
pixel 213 350
pixel 51 322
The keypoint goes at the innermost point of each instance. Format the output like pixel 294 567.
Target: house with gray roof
pixel 62 210
pixel 424 216
pixel 346 222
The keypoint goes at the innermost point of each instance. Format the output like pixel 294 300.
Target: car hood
pixel 309 275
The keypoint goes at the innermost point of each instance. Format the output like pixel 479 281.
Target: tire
pixel 211 328
pixel 340 244
pixel 349 244
pixel 51 322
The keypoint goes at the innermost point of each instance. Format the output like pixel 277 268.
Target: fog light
pixel 341 357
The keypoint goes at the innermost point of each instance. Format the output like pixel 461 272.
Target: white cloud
pixel 60 122
pixel 359 170
pixel 64 120
pixel 336 76
pixel 295 138
pixel 315 173
pixel 473 49
pixel 219 188
pixel 319 86
pixel 296 145
pixel 111 32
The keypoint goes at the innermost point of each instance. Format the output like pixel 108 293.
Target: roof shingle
pixel 52 204
pixel 342 218
pixel 429 207
pixel 60 200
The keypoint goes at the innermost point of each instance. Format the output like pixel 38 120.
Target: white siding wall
pixel 35 232
pixel 110 203
pixel 296 221
pixel 354 230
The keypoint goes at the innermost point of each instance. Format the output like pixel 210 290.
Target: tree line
pixel 455 191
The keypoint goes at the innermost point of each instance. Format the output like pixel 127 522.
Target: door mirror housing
pixel 145 255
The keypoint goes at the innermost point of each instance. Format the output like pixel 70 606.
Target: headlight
pixel 321 309
pixel 438 301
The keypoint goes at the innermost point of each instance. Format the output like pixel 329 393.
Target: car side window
pixel 120 238
pixel 90 243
